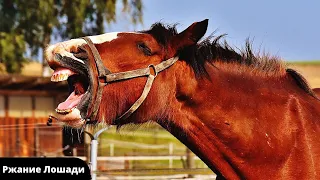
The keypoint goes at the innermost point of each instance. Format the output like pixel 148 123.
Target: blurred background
pixel 288 29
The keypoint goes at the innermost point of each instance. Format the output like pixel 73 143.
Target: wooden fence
pixel 28 137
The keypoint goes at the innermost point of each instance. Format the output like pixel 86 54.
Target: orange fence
pixel 22 137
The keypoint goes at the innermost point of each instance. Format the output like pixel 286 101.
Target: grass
pixel 127 142
pixel 304 63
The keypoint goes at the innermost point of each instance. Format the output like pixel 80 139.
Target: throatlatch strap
pixel 143 96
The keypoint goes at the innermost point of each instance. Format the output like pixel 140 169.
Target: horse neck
pixel 220 120
pixel 189 127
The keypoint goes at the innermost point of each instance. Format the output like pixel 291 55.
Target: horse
pixel 246 115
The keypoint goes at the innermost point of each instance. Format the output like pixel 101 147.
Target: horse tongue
pixel 71 102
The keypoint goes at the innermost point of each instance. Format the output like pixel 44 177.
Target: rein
pixel 104 77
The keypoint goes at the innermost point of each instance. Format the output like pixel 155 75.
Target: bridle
pixel 101 76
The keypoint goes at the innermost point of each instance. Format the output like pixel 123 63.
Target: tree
pixel 12 48
pixel 31 24
pixel 12 45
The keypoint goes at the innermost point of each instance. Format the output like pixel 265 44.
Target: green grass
pixel 313 62
pixel 145 136
pixel 162 164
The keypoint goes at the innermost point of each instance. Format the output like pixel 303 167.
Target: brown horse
pixel 246 116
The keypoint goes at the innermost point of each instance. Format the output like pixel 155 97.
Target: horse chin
pixel 72 119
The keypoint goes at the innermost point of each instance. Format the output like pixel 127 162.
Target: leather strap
pixel 97 66
pixel 141 99
pixel 141 72
pixel 103 71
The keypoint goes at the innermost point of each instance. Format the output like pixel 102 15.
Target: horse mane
pixel 301 82
pixel 211 50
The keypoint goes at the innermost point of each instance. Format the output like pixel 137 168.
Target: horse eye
pixel 145 49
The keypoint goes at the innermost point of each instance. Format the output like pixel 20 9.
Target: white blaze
pixel 107 37
pixel 65 46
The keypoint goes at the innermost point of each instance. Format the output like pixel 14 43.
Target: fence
pixel 168 152
pixel 29 137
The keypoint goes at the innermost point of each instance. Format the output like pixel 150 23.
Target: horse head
pixel 119 52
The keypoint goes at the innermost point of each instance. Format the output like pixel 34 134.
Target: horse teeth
pixel 64 111
pixel 59 77
pixel 52 78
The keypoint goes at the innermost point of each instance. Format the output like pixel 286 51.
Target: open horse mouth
pixel 72 111
pixel 78 85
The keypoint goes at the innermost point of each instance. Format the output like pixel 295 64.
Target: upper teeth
pixel 64 111
pixel 59 77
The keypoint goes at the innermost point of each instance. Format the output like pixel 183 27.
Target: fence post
pixel 36 142
pixel 93 157
pixel 111 149
pixel 170 154
pixel 94 152
pixel 87 144
pixel 190 161
pixel 74 151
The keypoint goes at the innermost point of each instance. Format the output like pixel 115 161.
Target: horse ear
pixel 190 36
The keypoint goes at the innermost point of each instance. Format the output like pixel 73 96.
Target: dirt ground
pixel 310 72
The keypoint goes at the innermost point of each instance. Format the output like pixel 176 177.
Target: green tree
pixel 12 48
pixel 32 23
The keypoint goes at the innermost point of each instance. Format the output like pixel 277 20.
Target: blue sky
pixel 286 28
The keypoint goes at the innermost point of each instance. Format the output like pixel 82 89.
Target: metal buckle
pixel 153 71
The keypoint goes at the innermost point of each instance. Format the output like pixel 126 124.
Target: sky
pixel 289 29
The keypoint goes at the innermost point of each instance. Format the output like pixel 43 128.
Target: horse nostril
pixel 81 55
pixel 57 56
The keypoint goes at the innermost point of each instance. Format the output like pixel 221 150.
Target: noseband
pixel 103 76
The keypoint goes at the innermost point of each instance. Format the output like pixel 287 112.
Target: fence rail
pixel 137 158
pixel 171 173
